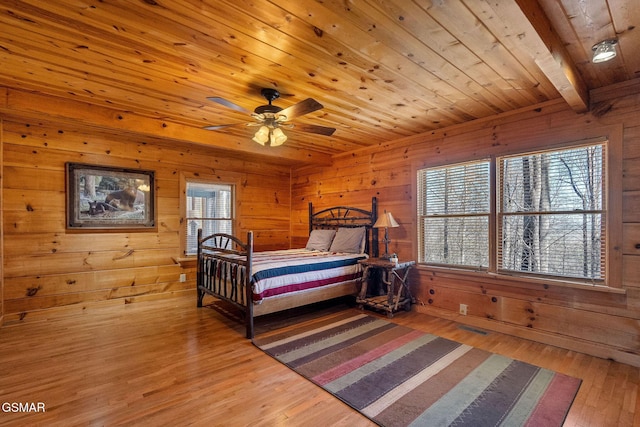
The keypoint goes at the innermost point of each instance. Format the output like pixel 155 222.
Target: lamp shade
pixel 277 137
pixel 386 221
pixel 262 135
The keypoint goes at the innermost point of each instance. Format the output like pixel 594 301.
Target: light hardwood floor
pixel 168 363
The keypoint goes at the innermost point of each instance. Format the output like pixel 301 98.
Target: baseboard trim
pixel 569 343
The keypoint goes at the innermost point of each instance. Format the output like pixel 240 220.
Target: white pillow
pixel 320 240
pixel 349 240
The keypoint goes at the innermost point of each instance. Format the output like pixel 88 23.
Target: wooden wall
pixel 48 270
pixel 605 323
pixel 1 229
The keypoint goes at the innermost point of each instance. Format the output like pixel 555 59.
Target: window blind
pixel 551 218
pixel 453 215
pixel 210 207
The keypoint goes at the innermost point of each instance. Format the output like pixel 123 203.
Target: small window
pixel 453 215
pixel 210 207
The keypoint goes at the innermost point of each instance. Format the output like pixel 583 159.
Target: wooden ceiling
pixel 383 69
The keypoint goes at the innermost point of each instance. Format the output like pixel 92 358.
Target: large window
pixel 453 215
pixel 210 207
pixel 549 214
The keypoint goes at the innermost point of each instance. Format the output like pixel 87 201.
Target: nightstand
pixel 392 278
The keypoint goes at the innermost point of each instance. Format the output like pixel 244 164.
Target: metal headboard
pixel 350 217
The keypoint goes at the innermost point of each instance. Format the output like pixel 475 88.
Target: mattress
pixel 294 270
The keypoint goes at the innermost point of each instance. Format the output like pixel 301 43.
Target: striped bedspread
pixel 293 270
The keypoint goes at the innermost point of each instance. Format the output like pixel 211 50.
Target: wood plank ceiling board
pixel 481 77
pixel 550 55
pixel 626 17
pixel 413 41
pixel 383 69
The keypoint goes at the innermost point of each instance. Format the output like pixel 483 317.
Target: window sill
pixel 519 281
pixel 187 262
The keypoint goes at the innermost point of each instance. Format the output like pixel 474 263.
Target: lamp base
pixel 386 254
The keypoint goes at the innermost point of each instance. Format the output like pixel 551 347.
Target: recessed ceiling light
pixel 604 51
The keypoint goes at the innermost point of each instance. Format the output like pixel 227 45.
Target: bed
pixel 325 269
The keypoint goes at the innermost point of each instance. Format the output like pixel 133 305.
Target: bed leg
pixel 249 325
pixel 200 297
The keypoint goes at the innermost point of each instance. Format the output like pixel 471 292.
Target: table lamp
pixel 386 221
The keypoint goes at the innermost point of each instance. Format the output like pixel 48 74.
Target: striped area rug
pixel 398 376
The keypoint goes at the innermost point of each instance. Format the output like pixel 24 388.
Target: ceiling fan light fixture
pixel 269 136
pixel 277 137
pixel 604 51
pixel 262 135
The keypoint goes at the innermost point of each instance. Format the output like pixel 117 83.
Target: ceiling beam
pixel 18 104
pixel 527 23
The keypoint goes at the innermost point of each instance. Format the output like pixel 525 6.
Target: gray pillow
pixel 349 240
pixel 320 240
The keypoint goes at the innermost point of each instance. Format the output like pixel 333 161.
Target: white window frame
pixel 189 218
pixel 537 215
pixel 463 218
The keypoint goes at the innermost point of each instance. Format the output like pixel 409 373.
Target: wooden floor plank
pixel 167 362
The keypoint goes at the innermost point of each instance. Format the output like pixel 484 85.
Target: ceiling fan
pixel 272 118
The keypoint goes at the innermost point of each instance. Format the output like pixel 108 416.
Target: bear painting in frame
pixel 110 198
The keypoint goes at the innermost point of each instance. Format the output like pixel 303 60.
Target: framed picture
pixel 108 198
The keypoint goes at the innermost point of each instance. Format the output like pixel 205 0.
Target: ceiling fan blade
pixel 218 127
pixel 307 106
pixel 228 104
pixel 321 130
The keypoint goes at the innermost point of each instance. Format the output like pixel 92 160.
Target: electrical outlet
pixel 183 277
pixel 463 309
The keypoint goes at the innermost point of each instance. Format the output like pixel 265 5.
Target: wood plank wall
pixel 605 324
pixel 1 228
pixel 48 270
